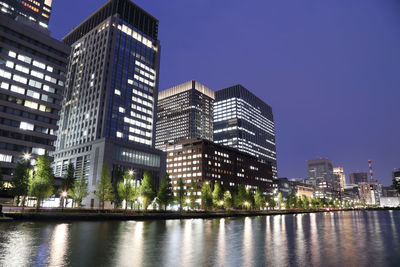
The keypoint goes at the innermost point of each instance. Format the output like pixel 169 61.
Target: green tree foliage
pixel 305 202
pixel 41 182
pixel 79 190
pixel 206 196
pixel 180 194
pixel 20 181
pixel 217 195
pixel 118 177
pixel 126 190
pixel 249 204
pixel 193 196
pixel 280 200
pixel 240 197
pixel 270 201
pixel 104 187
pixel 291 202
pixel 165 195
pixel 147 189
pixel 259 199
pixel 228 203
pixel 68 181
pixel 69 178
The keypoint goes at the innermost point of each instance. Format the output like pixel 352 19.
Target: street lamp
pixel 27 156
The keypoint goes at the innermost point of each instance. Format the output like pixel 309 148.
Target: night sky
pixel 329 69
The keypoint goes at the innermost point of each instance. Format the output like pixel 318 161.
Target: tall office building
pixel 184 111
pixel 110 98
pixel 340 177
pixel 320 169
pixel 358 178
pixel 36 11
pixel 396 174
pixel 244 121
pixel 32 76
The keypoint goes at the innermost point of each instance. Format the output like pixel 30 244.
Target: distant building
pixel 245 122
pixel 324 189
pixel 389 191
pixel 369 194
pixel 201 160
pixel 184 111
pixel 389 202
pixel 304 190
pixel 319 169
pixel 284 187
pixel 358 177
pixel 340 176
pixel 396 174
pixel 36 11
pixel 351 193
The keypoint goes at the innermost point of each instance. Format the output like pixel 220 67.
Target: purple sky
pixel 329 69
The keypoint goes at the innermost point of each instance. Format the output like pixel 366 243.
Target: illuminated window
pixel 26 126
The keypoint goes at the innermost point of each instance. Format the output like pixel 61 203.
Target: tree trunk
pixel 23 203
pixel 37 205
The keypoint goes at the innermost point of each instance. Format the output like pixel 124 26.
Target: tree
pixel 20 181
pixel 165 195
pixel 280 200
pixel 228 200
pixel 103 186
pixel 41 182
pixel 259 199
pixel 217 195
pixel 126 190
pixel 249 199
pixel 68 181
pixel 206 196
pixel 147 189
pixel 180 194
pixel 270 201
pixel 305 202
pixel 118 177
pixel 240 197
pixel 79 190
pixel 193 195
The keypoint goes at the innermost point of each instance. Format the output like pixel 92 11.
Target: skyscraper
pixel 32 76
pixel 110 99
pixel 320 169
pixel 184 111
pixel 341 177
pixel 358 177
pixel 244 121
pixel 36 11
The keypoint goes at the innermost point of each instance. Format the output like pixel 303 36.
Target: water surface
pixel 354 238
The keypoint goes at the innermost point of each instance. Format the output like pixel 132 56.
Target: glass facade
pixel 135 156
pixel 131 104
pixel 184 111
pixel 245 122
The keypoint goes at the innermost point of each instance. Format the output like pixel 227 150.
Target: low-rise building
pixel 304 190
pixel 389 202
pixel 201 160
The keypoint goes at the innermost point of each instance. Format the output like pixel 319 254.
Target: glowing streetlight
pixel 187 201
pixel 221 203
pixel 64 194
pixel 130 172
pixel 27 156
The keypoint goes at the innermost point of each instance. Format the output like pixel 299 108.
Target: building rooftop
pixel 186 87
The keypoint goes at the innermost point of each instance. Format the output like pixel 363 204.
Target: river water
pixel 351 238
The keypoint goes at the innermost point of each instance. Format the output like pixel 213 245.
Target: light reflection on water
pixel 356 238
